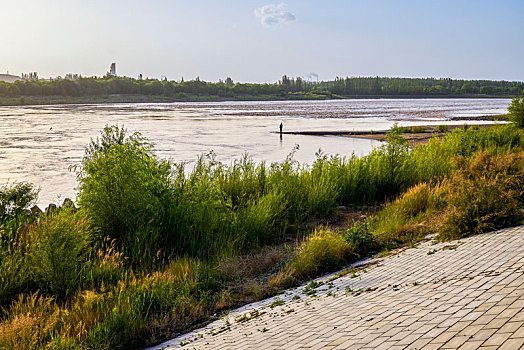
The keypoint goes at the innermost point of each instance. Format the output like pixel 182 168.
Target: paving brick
pixel 513 344
pixel 471 345
pixel 470 298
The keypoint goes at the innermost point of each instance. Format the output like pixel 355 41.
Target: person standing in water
pixel 281 126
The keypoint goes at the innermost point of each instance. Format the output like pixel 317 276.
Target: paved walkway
pixel 466 294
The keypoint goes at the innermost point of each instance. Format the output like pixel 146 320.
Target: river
pixel 40 143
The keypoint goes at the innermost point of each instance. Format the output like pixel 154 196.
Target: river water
pixel 39 143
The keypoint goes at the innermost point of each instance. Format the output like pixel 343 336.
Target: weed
pixel 246 317
pixel 277 302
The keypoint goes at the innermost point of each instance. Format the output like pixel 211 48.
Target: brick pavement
pixel 466 294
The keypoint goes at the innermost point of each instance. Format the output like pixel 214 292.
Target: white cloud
pixel 271 15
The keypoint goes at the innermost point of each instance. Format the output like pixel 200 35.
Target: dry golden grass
pixel 31 322
pixel 253 265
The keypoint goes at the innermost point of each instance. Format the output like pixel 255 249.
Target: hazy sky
pixel 259 41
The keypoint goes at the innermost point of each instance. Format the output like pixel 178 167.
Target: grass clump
pixel 322 251
pixel 360 237
pixel 31 323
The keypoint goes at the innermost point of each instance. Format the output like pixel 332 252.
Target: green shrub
pixel 58 250
pixel 15 199
pixel 14 274
pixel 360 237
pixel 442 128
pixel 322 198
pixel 261 222
pixel 124 188
pixel 516 110
pixel 396 129
pixel 393 165
pixel 418 129
pixel 484 194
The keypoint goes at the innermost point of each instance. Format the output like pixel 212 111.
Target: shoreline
pixel 114 99
pixel 414 138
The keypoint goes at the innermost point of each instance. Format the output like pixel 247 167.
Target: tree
pixel 516 110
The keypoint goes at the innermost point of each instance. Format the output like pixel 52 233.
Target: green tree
pixel 516 110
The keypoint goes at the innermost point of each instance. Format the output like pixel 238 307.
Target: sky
pixel 259 41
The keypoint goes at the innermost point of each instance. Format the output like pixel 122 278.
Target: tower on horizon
pixel 112 70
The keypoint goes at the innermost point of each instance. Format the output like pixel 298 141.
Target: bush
pixel 322 198
pixel 58 250
pixel 396 129
pixel 484 194
pixel 14 276
pixel 123 187
pixel 418 129
pixel 516 110
pixel 442 128
pixel 361 238
pixel 15 199
pixel 261 220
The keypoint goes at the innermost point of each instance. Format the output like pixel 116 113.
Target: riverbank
pixel 52 100
pixel 163 251
pixel 130 98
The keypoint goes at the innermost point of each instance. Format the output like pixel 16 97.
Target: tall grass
pixel 408 217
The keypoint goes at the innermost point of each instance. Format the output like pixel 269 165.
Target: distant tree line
pixel 383 86
pixel 76 86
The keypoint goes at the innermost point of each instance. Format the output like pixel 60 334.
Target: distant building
pixel 9 78
pixel 112 70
